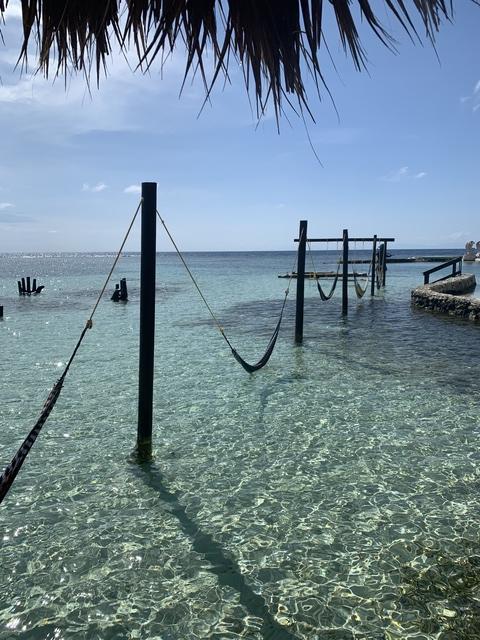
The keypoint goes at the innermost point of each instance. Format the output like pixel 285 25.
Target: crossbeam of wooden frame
pixel 350 239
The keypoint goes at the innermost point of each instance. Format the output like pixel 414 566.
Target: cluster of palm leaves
pixel 275 42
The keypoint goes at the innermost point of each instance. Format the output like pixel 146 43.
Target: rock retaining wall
pixel 445 297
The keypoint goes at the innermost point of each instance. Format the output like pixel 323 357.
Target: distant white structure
pixel 469 255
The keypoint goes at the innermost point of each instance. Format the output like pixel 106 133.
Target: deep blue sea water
pixel 335 494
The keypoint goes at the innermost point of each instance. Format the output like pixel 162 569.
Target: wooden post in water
pixel 147 320
pixel 24 286
pixel 19 287
pixel 384 271
pixel 123 289
pixel 345 274
pixel 380 266
pixel 374 265
pixel 300 300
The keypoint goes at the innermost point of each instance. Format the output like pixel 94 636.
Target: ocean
pixel 335 494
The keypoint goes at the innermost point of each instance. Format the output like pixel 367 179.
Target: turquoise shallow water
pixel 333 495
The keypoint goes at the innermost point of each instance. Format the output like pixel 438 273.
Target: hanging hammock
pixel 324 296
pixel 251 368
pixel 359 290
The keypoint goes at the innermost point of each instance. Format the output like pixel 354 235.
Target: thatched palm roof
pixel 275 41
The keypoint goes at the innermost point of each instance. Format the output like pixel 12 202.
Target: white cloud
pixel 100 186
pixel 133 188
pixel 404 173
pixel 5 205
pixel 474 98
pixel 396 176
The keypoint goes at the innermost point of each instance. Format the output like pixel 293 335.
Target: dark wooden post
pixel 147 320
pixel 123 289
pixel 24 288
pixel 29 291
pixel 19 287
pixel 300 300
pixel 374 265
pixel 345 274
pixel 34 285
pixel 384 271
pixel 380 266
pixel 1 312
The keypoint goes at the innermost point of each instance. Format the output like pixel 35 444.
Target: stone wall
pixel 445 297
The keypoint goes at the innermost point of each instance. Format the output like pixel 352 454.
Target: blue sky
pixel 401 160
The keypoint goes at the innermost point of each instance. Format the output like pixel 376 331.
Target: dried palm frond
pixel 276 42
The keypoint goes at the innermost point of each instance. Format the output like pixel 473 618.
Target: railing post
pixel 374 265
pixel 300 300
pixel 147 320
pixel 345 274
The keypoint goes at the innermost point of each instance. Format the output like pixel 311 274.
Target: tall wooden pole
pixel 374 265
pixel 300 301
pixel 345 274
pixel 147 320
pixel 384 270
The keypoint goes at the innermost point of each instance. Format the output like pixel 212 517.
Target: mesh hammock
pixel 359 290
pixel 251 368
pixel 10 473
pixel 324 296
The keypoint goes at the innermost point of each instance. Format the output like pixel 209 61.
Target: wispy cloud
pixel 404 173
pixel 100 186
pixel 473 99
pixel 396 176
pixel 459 235
pixel 5 205
pixel 133 188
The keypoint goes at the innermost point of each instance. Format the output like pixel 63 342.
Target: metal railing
pixel 456 270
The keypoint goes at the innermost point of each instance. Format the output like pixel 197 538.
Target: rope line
pixel 263 361
pixel 180 255
pixel 10 473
